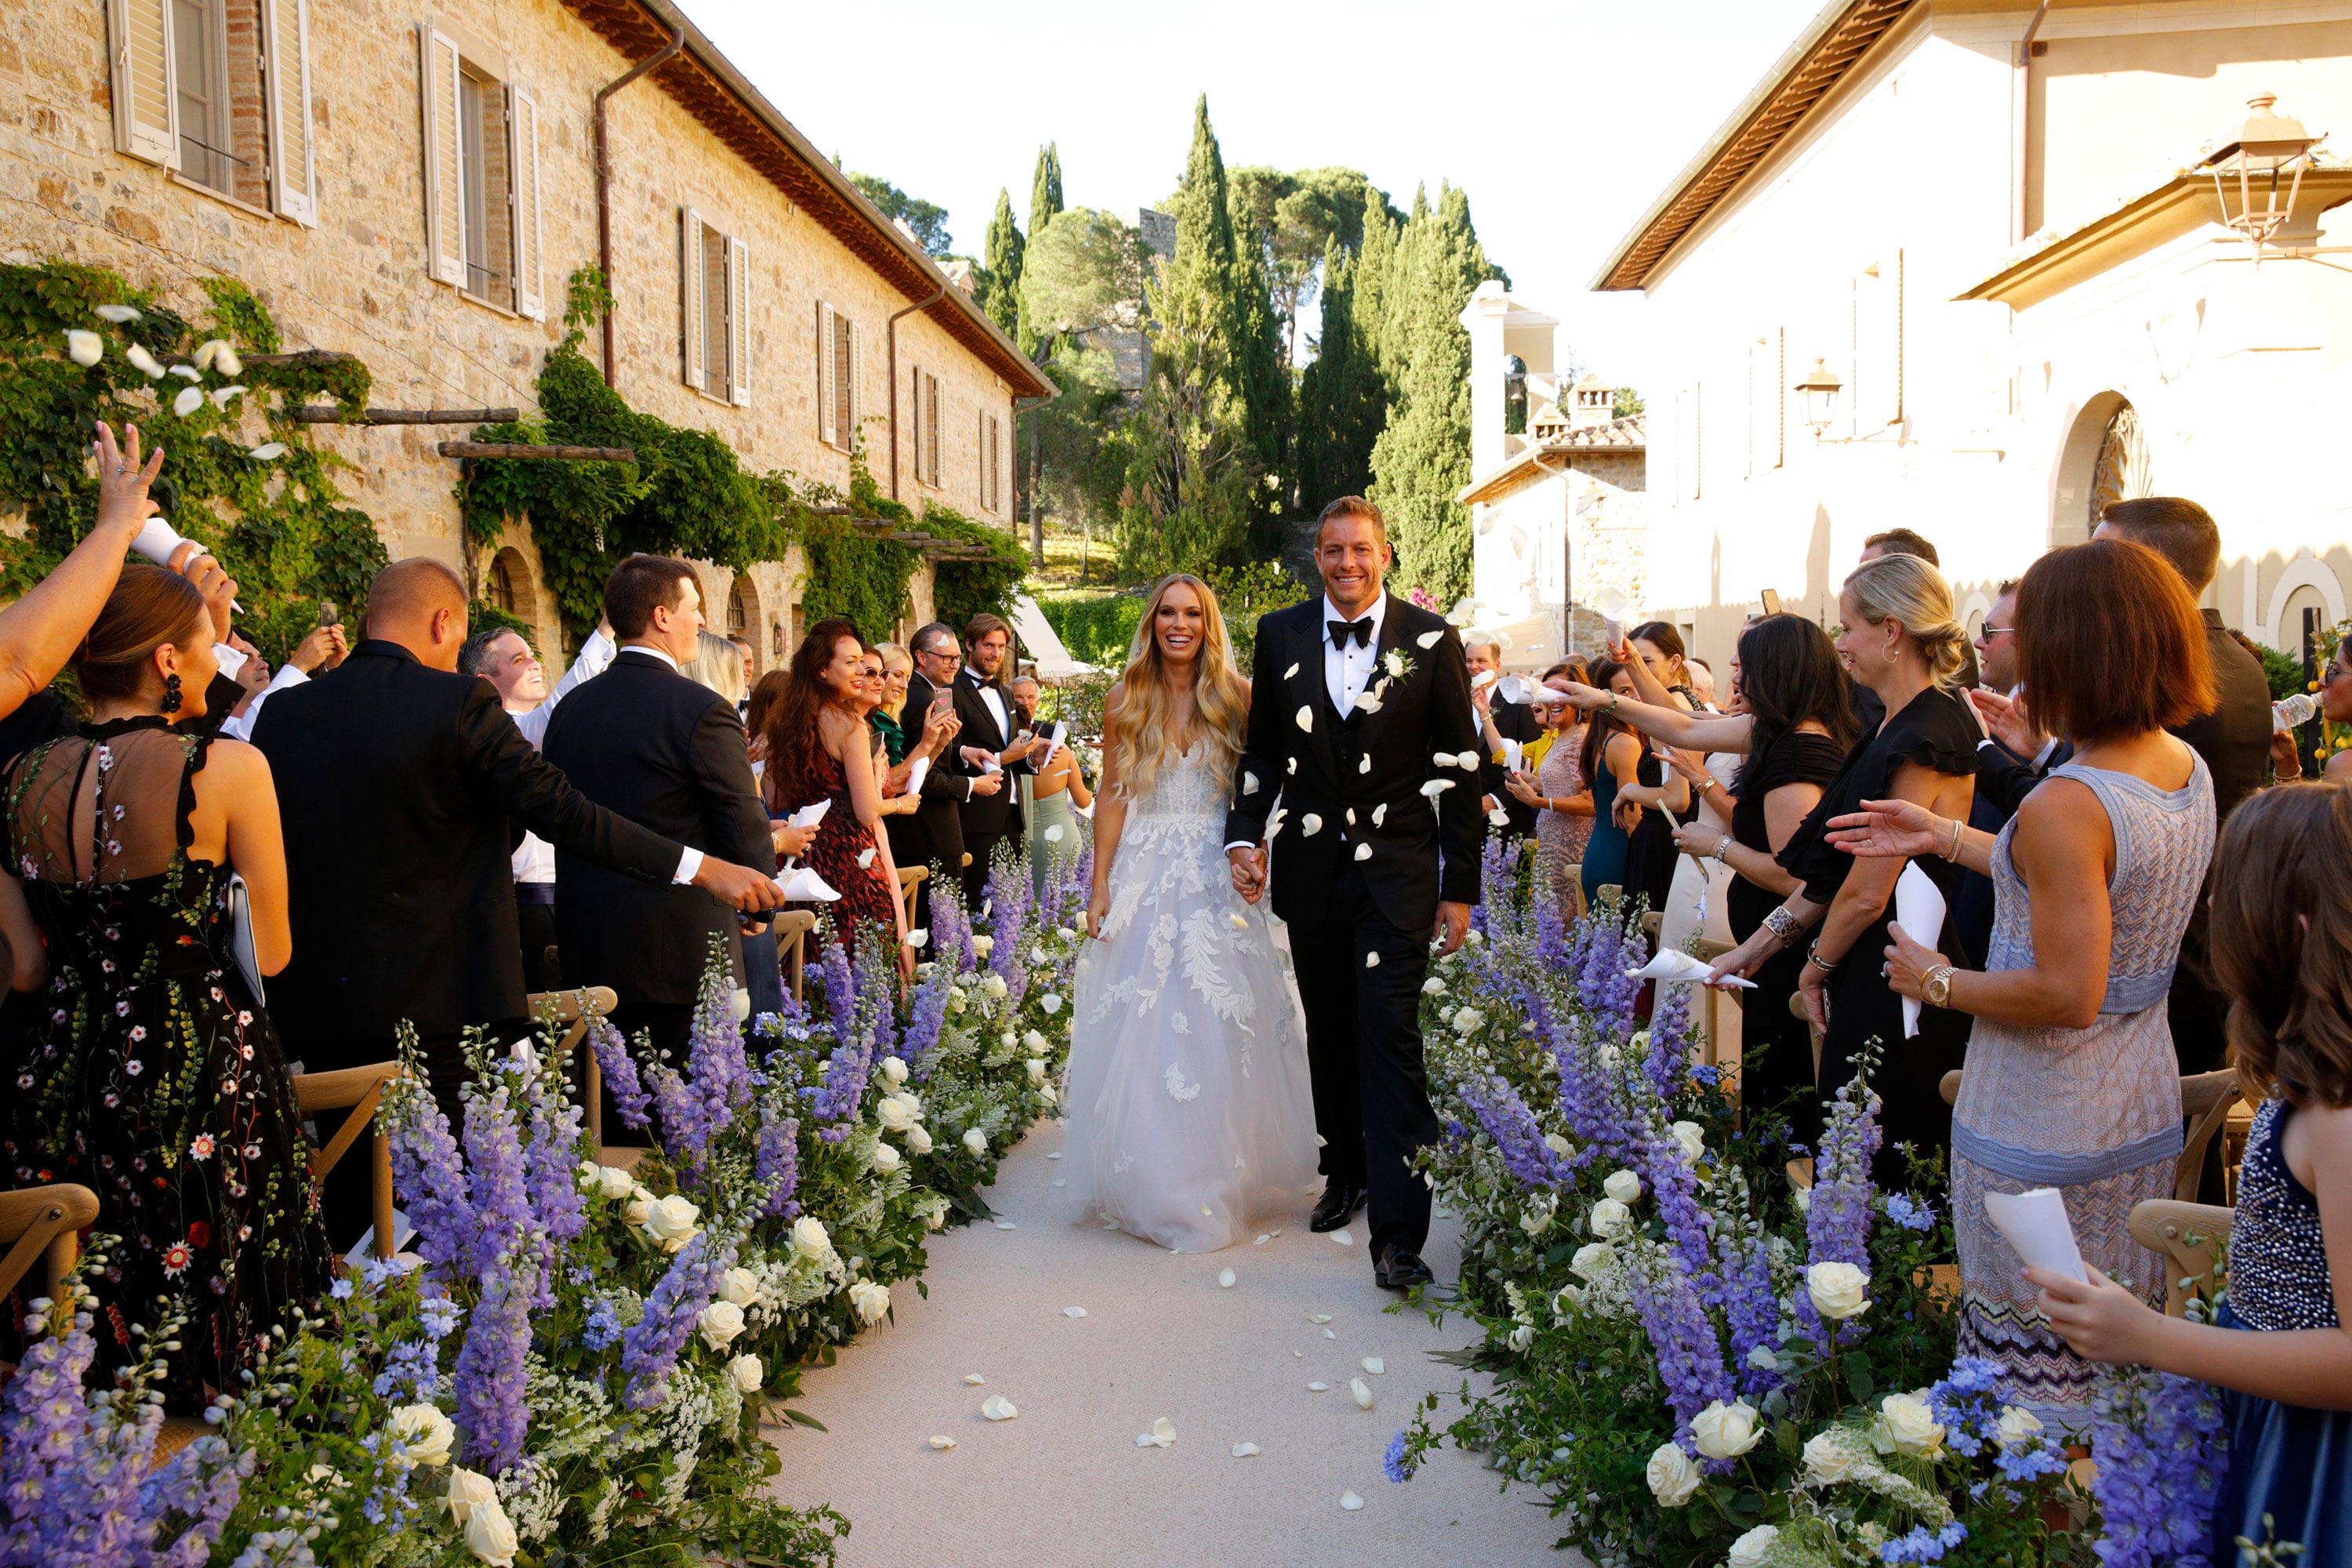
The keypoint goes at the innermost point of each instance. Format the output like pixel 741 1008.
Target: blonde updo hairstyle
pixel 1907 591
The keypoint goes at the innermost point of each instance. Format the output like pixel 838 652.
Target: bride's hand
pixel 1097 912
pixel 1249 871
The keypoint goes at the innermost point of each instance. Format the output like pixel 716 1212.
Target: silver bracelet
pixel 1959 827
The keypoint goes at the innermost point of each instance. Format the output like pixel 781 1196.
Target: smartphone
pixel 942 696
pixel 1771 601
pixel 327 614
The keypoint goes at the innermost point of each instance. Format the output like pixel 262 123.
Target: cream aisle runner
pixel 1065 1483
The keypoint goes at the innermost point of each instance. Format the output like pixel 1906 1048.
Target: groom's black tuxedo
pixel 1361 922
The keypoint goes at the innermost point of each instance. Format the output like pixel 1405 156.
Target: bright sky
pixel 1564 121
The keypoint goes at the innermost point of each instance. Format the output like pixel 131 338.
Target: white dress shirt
pixel 992 699
pixel 240 727
pixel 1348 670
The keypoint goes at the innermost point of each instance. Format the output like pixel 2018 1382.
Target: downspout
pixel 2021 91
pixel 890 337
pixel 605 179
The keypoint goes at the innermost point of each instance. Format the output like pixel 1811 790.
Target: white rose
pixel 1520 1339
pixel 1038 1044
pixel 1558 1144
pixel 895 1114
pixel 1623 1185
pixel 1748 1551
pixel 1827 1458
pixel 490 1535
pixel 1432 986
pixel 870 1300
pixel 426 1436
pixel 1467 1019
pixel 975 1141
pixel 918 1140
pixel 993 987
pixel 1045 1092
pixel 720 1322
pixel 1036 1067
pixel 741 1286
pixel 747 1373
pixel 809 1237
pixel 1686 1134
pixel 1725 1431
pixel 614 1183
pixel 1594 1260
pixel 894 1071
pixel 671 1220
pixel 983 945
pixel 1673 1478
pixel 1538 1219
pixel 2019 1426
pixel 1839 1290
pixel 635 1211
pixel 1608 1217
pixel 1907 1424
pixel 469 1489
pixel 1051 1003
pixel 886 1157
pixel 591 1174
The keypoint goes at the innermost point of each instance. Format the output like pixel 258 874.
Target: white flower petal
pixel 1055 1155
pixel 1239 920
pixel 1343 1237
pixel 1430 639
pixel 1249 783
pixel 190 399
pixel 866 858
pixel 1291 671
pixel 186 372
pixel 1246 1450
pixel 1379 814
pixel 1467 762
pixel 118 314
pixel 1330 1335
pixel 1364 852
pixel 1318 1317
pixel 1368 702
pixel 207 351
pixel 1225 1280
pixel 1362 1390
pixel 1436 787
pixel 267 451
pixel 1319 1388
pixel 917 938
pixel 1261 1241
pixel 1053 833
pixel 1309 825
pixel 1499 818
pixel 974 1379
pixel 1307 719
pixel 1366 765
pixel 84 347
pixel 996 1408
pixel 227 364
pixel 1006 1225
pixel 1375 1365
pixel 144 361
pixel 221 394
pixel 1293 765
pixel 943 1443
pixel 1080 1311
pixel 1351 1502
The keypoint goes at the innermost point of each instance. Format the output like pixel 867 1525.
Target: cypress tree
pixel 1341 402
pixel 1371 280
pixel 1044 201
pixel 1422 459
pixel 1000 264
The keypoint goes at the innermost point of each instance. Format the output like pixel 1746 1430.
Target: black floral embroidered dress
pixel 147 1072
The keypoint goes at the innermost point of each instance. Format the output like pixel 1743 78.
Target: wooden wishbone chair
pixel 358 1091
pixel 571 1009
pixel 792 928
pixel 44 1222
pixel 2187 1236
pixel 909 879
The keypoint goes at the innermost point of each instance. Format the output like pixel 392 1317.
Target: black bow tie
pixel 1359 630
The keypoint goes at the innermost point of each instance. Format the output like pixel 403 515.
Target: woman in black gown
pixel 149 1073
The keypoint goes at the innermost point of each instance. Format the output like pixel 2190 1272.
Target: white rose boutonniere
pixel 1398 663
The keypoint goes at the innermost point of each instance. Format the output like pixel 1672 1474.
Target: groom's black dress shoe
pixel 1400 1271
pixel 1338 1204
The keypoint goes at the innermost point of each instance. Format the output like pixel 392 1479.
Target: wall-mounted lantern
pixel 2257 175
pixel 1819 389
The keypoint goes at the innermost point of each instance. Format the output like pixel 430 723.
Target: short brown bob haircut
pixel 641 584
pixel 2109 643
pixel 1352 506
pixel 2282 943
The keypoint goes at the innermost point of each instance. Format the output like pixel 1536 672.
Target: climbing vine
pixel 80 344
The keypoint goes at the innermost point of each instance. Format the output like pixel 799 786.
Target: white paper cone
pixel 804 886
pixel 917 774
pixel 810 816
pixel 1920 911
pixel 2035 1224
pixel 1677 965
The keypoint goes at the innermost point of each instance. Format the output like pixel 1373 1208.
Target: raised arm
pixel 40 631
pixel 1461 825
pixel 1664 721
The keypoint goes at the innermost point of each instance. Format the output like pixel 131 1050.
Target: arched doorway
pixel 2106 460
pixel 507 585
pixel 743 619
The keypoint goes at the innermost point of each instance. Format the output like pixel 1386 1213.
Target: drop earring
pixel 171 693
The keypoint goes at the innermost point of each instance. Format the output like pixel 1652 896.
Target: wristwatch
pixel 1937 988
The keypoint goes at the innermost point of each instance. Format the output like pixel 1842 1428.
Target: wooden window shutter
pixel 444 204
pixel 915 393
pixel 146 103
pixel 690 300
pixel 738 321
pixel 931 428
pixel 522 166
pixel 827 429
pixel 286 103
pixel 995 463
pixel 851 396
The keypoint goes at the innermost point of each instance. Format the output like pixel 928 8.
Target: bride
pixel 1190 1117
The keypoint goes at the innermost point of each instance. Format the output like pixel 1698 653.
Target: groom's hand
pixel 1249 871
pixel 1452 926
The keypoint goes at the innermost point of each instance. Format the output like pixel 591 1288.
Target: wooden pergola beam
pixel 518 449
pixel 326 414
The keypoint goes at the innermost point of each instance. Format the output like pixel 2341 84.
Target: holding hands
pixel 1249 871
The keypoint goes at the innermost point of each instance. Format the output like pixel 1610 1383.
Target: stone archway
pixel 507 585
pixel 2105 461
pixel 746 621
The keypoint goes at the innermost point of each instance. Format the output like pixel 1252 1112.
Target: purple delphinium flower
pixel 2160 1443
pixel 1838 1213
pixel 1009 905
pixel 493 1370
pixel 950 928
pixel 649 1350
pixel 200 1484
pixel 1393 1461
pixel 604 1328
pixel 1667 1064
pixel 777 1163
pixel 551 1155
pixel 496 1175
pixel 1690 1356
pixel 1674 1188
pixel 619 1072
pixel 1517 1136
pixel 430 1175
pixel 1751 1309
pixel 927 1015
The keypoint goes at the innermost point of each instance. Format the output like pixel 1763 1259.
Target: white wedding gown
pixel 1190 1117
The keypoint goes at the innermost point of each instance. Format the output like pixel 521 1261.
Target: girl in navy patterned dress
pixel 2282 953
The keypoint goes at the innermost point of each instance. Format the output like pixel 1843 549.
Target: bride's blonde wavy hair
pixel 1220 698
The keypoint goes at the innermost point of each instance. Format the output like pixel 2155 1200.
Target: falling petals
pixel 188 402
pixel 1318 1317
pixel 1319 1388
pixel 1436 787
pixel 1226 1280
pixel 1379 813
pixel 1362 1390
pixel 1499 818
pixel 1352 817
pixel 1291 671
pixel 207 351
pixel 144 361
pixel 1161 1435
pixel 267 451
pixel 1343 1237
pixel 866 858
pixel 221 394
pixel 84 348
pixel 1292 766
pixel 1368 702
pixel 1006 1225
pixel 1430 639
pixel 1467 762
pixel 1238 920
pixel 186 372
pixel 1364 852
pixel 1330 1335
pixel 1440 759
pixel 1053 833
pixel 1246 1450
pixel 1261 1241
pixel 1351 1502
pixel 1365 767
pixel 1249 783
pixel 1309 825
pixel 917 938
pixel 118 314
pixel 1307 719
pixel 996 1408
pixel 1371 959
pixel 1081 1312
pixel 943 1444
pixel 1375 1365
pixel 974 1379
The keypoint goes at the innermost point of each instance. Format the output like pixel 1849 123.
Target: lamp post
pixel 2252 172
pixel 1819 389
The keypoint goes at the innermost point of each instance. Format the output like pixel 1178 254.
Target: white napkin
pixel 804 886
pixel 2035 1224
pixel 1675 964
pixel 1615 611
pixel 1920 911
pixel 917 774
pixel 811 814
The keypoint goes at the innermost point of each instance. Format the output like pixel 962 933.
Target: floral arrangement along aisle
pixel 1698 1363
pixel 573 1364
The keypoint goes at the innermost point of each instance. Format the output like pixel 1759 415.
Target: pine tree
pixel 1422 459
pixel 1044 201
pixel 1001 265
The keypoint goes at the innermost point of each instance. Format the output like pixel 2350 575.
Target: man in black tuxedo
pixel 404 787
pixel 668 754
pixel 1352 697
pixel 933 836
pixel 990 731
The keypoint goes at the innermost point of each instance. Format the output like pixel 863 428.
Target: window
pixel 219 93
pixel 481 178
pixel 715 329
pixel 992 471
pixel 923 390
pixel 840 371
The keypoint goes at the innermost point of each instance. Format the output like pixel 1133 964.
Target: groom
pixel 1359 704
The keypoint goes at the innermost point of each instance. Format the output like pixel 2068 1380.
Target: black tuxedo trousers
pixel 1363 1055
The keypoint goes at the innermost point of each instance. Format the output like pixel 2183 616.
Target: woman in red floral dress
pixel 820 749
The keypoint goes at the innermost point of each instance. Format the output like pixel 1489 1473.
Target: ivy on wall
pixel 238 474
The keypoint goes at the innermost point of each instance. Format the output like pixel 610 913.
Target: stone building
pixel 1556 516
pixel 1985 236
pixel 416 188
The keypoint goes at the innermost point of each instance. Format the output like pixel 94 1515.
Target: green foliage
pixel 1045 204
pixel 1422 459
pixel 999 293
pixel 281 525
pixel 1083 272
pixel 1342 397
pixel 1290 219
pixel 927 219
pixel 1626 404
pixel 2283 671
pixel 1097 629
pixel 482 616
pixel 1245 593
pixel 962 589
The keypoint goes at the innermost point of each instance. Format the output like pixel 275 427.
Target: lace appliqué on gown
pixel 1189 1116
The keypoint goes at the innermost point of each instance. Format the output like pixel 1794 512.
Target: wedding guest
pixel 888 719
pixel 2336 707
pixel 867 707
pixel 2234 737
pixel 1611 761
pixel 948 787
pixel 2279 1351
pixel 156 1079
pixel 1702 682
pixel 1657 791
pixel 2071 1079
pixel 991 742
pixel 1556 793
pixel 1903 542
pixel 1059 793
pixel 668 754
pixel 721 664
pixel 1501 719
pixel 40 631
pixel 1795 737
pixel 721 667
pixel 818 750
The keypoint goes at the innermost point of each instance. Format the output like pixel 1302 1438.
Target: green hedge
pixel 1095 630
